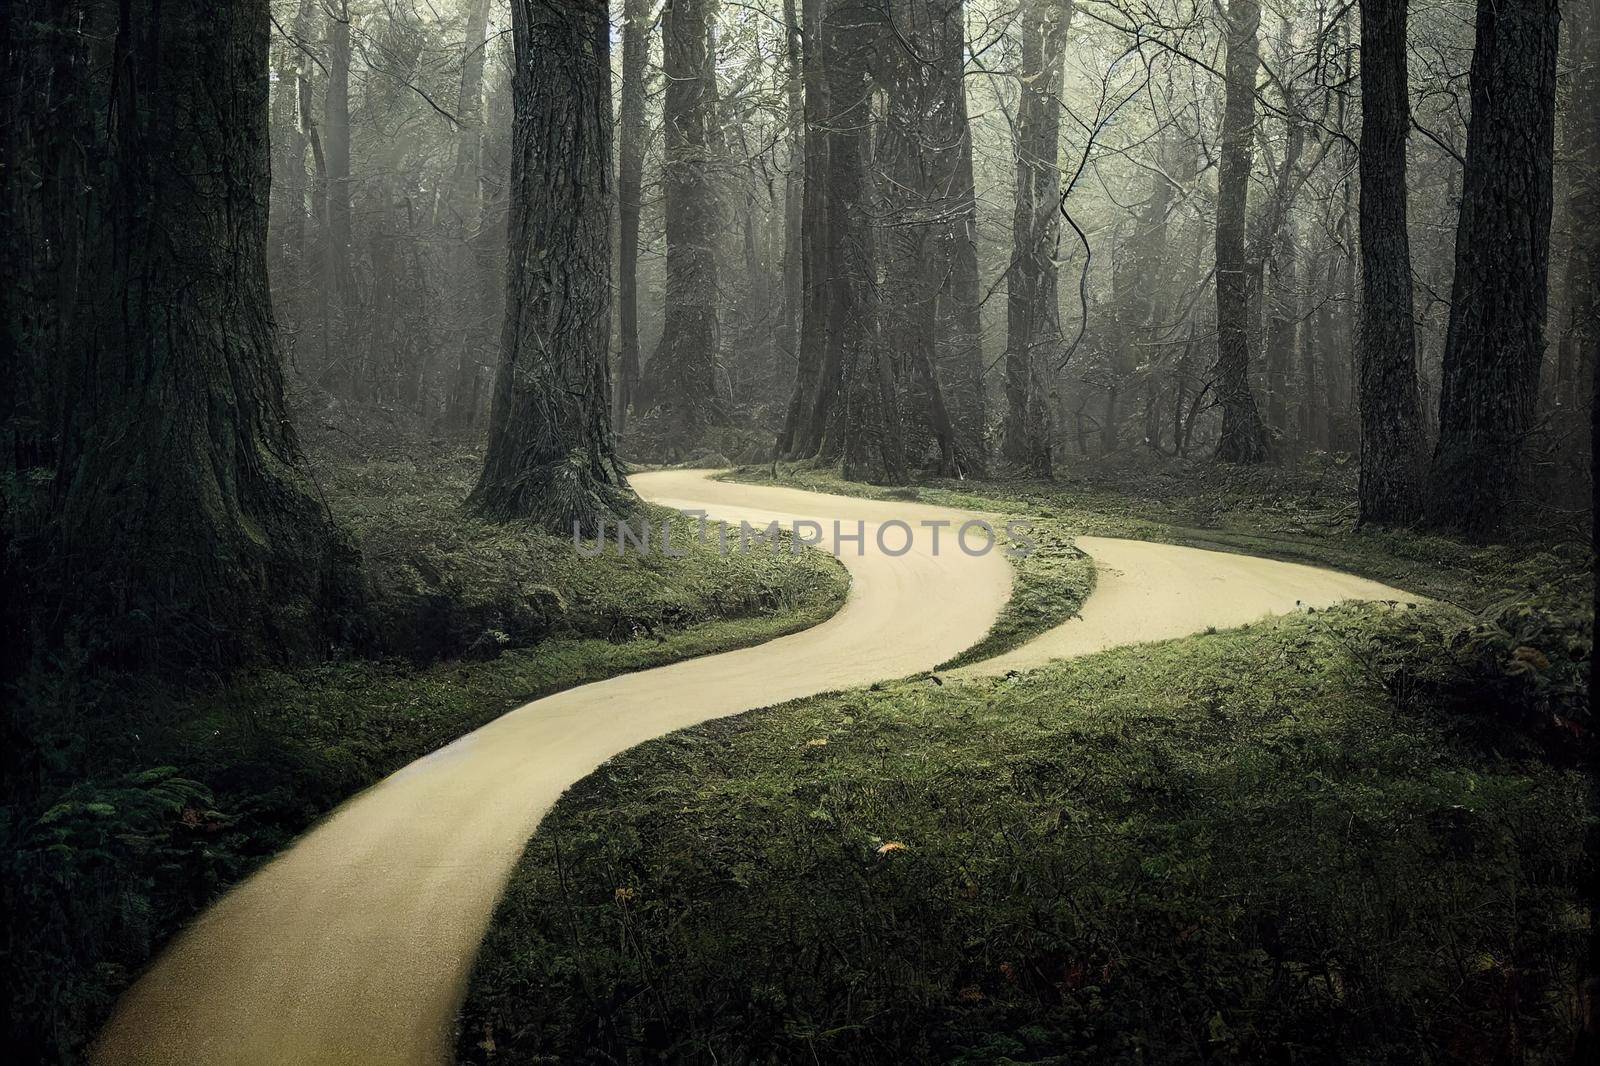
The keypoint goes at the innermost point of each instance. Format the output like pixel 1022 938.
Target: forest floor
pixel 147 805
pixel 1302 514
pixel 1349 833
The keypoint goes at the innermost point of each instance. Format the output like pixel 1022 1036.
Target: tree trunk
pixel 1032 322
pixel 681 378
pixel 467 205
pixel 550 455
pixel 960 333
pixel 1283 317
pixel 854 414
pixel 1577 352
pixel 918 156
pixel 630 186
pixel 797 440
pixel 1244 437
pixel 1139 276
pixel 1495 339
pixel 179 521
pixel 343 367
pixel 289 167
pixel 787 350
pixel 469 114
pixel 1391 404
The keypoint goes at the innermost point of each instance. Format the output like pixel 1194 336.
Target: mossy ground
pixel 141 805
pixel 1303 514
pixel 1049 583
pixel 1339 836
pixel 1232 847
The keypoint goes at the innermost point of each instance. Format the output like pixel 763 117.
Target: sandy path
pixel 354 946
pixel 1145 591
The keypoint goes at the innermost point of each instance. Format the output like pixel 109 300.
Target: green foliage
pixel 129 806
pixel 1514 677
pixel 1048 587
pixel 1228 847
pixel 1302 514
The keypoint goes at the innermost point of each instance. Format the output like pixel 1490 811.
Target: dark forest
pixel 756 531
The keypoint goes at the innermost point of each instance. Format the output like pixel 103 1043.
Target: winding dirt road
pixel 354 946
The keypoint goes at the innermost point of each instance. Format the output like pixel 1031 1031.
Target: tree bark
pixel 1391 404
pixel 630 186
pixel 1244 437
pixel 787 350
pixel 1032 322
pixel 550 456
pixel 289 167
pixel 681 395
pixel 861 423
pixel 1495 339
pixel 918 157
pixel 960 334
pixel 797 440
pixel 461 407
pixel 1579 350
pixel 179 523
pixel 343 366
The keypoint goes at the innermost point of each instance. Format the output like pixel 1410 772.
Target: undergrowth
pixel 1242 847
pixel 130 805
pixel 1302 514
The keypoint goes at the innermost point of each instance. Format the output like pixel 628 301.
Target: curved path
pixel 1145 591
pixel 354 946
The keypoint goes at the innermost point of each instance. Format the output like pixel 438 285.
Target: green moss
pixel 1235 846
pixel 107 857
pixel 1303 514
pixel 1050 583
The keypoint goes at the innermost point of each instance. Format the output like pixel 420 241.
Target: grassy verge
pixel 1356 834
pixel 1242 846
pixel 1305 514
pixel 1049 585
pixel 140 806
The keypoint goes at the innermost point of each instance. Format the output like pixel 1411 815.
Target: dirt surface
pixel 1146 591
pixel 354 946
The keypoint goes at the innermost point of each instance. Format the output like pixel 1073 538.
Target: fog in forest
pixel 385 382
pixel 956 238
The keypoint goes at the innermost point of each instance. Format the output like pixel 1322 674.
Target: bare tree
pixel 1244 437
pixel 1391 404
pixel 1033 327
pixel 679 393
pixel 1496 333
pixel 550 456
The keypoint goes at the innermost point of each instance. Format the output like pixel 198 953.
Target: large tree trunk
pixel 1579 350
pixel 1391 404
pixel 179 521
pixel 1244 437
pixel 467 205
pixel 1495 340
pixel 1032 322
pixel 853 412
pixel 960 332
pixel 918 157
pixel 797 440
pixel 630 185
pixel 787 350
pixel 550 455
pixel 680 388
